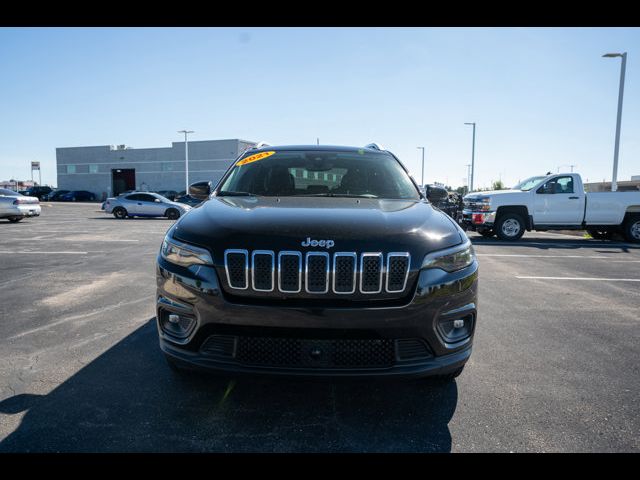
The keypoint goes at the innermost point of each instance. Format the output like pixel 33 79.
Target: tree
pixel 497 185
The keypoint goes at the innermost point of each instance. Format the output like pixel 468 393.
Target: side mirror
pixel 157 200
pixel 200 190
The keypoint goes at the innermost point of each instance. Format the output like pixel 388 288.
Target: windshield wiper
pixel 236 194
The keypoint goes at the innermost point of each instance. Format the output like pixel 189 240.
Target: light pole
pixel 422 178
pixel 473 154
pixel 468 165
pixel 623 66
pixel 186 159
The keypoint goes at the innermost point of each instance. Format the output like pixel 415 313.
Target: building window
pixel 93 168
pixel 71 169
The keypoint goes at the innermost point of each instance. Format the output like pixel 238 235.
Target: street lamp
pixel 468 165
pixel 473 154
pixel 186 159
pixel 623 66
pixel 422 181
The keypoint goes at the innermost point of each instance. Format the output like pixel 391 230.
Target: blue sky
pixel 541 97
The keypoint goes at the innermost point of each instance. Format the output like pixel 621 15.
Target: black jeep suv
pixel 317 260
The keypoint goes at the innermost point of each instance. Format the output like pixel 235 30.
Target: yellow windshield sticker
pixel 255 158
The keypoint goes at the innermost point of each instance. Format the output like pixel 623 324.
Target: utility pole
pixel 186 159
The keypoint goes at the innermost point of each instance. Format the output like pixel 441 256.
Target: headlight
pixel 451 259
pixel 182 254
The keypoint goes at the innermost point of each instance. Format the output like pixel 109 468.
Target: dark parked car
pixel 317 260
pixel 55 195
pixel 188 200
pixel 40 192
pixel 78 196
pixel 449 203
pixel 170 194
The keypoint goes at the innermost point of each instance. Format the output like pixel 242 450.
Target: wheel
pixel 15 219
pixel 600 234
pixel 510 227
pixel 172 214
pixel 631 229
pixel 120 213
pixel 73 199
pixel 487 232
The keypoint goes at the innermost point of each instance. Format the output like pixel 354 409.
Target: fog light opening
pixel 456 330
pixel 177 325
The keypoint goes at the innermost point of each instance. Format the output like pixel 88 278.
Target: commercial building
pixel 108 170
pixel 632 185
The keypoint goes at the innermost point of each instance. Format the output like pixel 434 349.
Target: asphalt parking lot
pixel 555 367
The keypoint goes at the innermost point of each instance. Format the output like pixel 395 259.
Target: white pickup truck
pixel 552 202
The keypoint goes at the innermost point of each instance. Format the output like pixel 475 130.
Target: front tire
pixel 510 227
pixel 15 219
pixel 631 229
pixel 173 214
pixel 120 213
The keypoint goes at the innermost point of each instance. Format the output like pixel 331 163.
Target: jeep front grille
pixel 340 272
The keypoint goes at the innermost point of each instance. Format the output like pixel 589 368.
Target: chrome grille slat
pixel 290 271
pixel 397 271
pixel 262 270
pixel 237 274
pixel 316 272
pixel 345 269
pixel 371 272
pixel 346 272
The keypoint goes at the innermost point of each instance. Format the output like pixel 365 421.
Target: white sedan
pixel 15 206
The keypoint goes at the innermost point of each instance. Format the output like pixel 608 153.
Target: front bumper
pixel 438 298
pixel 472 219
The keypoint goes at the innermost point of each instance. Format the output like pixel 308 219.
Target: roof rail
pixel 375 146
pixel 262 144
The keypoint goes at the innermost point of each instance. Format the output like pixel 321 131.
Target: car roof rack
pixel 375 146
pixel 262 144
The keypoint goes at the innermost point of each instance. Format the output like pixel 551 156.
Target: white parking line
pixel 24 252
pixel 582 278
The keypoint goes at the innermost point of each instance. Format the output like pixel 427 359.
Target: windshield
pixel 319 173
pixel 528 184
pixel 9 193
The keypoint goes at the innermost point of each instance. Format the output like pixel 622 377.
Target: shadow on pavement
pixel 128 399
pixel 559 243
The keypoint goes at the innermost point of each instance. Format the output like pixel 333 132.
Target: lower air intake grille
pixel 219 346
pixel 301 353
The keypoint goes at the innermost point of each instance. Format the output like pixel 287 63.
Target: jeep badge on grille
pixel 317 243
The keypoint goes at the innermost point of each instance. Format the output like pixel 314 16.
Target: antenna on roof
pixel 375 146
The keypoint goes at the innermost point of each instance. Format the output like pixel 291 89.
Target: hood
pixel 353 224
pixel 489 193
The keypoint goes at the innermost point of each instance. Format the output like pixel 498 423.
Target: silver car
pixel 144 204
pixel 15 206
